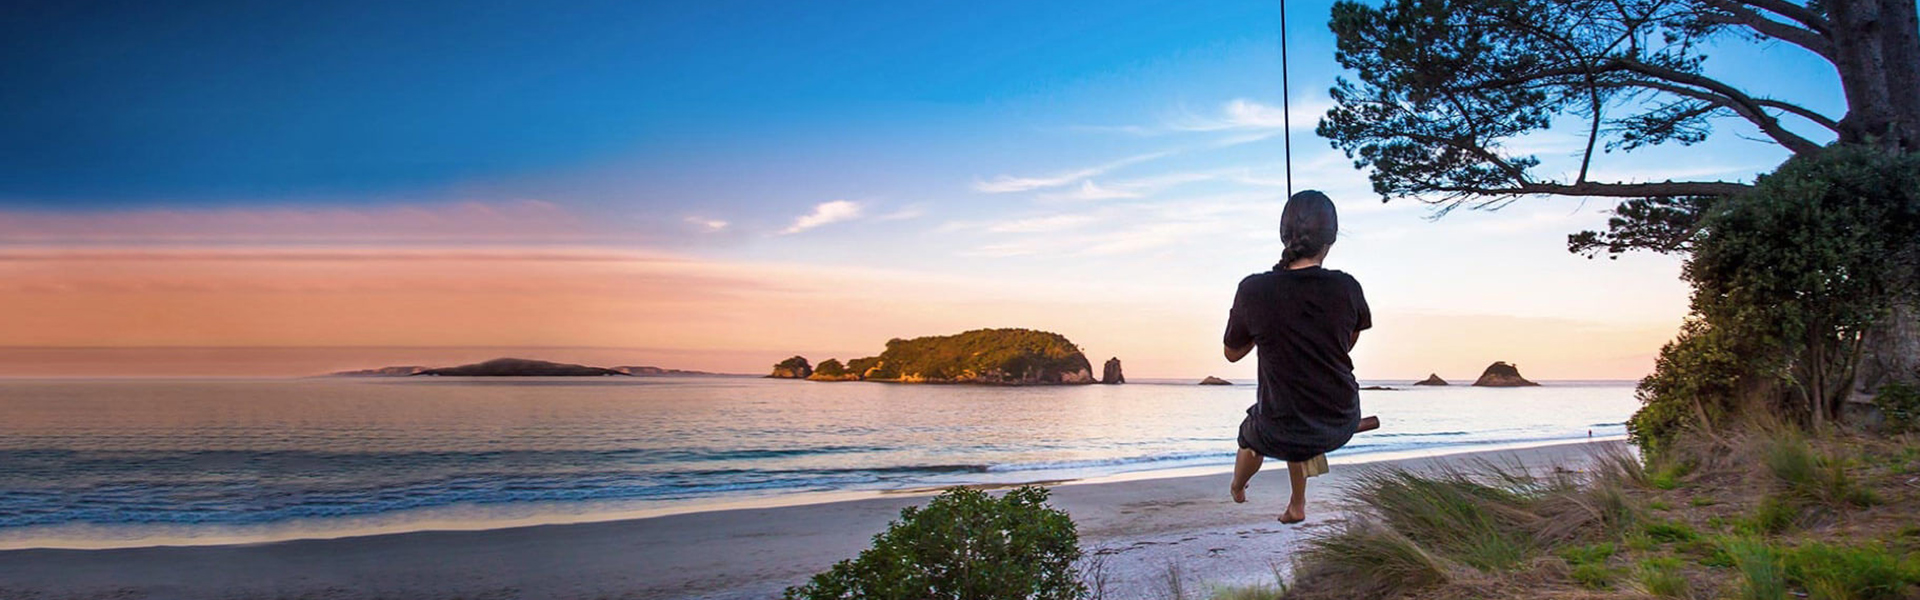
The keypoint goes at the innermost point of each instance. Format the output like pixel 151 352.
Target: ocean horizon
pixel 181 461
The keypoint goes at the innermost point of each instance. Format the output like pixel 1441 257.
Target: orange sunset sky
pixel 702 186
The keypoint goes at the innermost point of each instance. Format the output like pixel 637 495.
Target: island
pixel 523 367
pixel 1432 379
pixel 1110 374
pixel 1211 380
pixel 406 371
pixel 981 356
pixel 1501 374
pixel 643 371
pixel 520 367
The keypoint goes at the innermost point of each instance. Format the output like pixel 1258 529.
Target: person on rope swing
pixel 1305 319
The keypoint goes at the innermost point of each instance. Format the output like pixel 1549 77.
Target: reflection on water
pixel 189 453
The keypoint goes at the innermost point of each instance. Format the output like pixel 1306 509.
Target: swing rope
pixel 1286 100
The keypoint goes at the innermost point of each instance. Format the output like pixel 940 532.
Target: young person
pixel 1304 318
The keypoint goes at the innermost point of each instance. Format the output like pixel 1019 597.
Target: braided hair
pixel 1307 226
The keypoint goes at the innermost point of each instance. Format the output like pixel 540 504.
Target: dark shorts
pixel 1251 438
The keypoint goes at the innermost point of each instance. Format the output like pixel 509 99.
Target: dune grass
pixel 1762 514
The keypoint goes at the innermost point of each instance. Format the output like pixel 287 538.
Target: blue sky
pixel 1108 169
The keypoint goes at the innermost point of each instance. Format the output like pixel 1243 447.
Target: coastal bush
pixel 964 544
pixel 1787 279
pixel 830 368
pixel 1899 405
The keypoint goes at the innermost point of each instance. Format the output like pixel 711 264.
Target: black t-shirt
pixel 1303 321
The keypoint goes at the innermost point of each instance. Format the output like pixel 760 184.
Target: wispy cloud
pixel 1007 183
pixel 1245 114
pixel 707 225
pixel 1047 224
pixel 1089 190
pixel 825 213
pixel 905 213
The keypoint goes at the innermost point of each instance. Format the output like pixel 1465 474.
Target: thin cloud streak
pixel 825 213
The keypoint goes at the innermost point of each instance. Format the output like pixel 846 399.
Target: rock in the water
pixel 792 368
pixel 1211 380
pixel 1432 379
pixel 1501 374
pixel 1378 388
pixel 1111 373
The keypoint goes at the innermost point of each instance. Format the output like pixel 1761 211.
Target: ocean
pixel 130 462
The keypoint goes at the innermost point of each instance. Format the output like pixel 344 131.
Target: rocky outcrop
pixel 1501 374
pixel 1110 374
pixel 792 368
pixel 1211 380
pixel 520 367
pixel 1378 388
pixel 1432 379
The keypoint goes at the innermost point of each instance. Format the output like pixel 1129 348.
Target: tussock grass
pixel 1808 475
pixel 1762 569
pixel 1867 572
pixel 1363 559
pixel 1763 513
pixel 1481 525
pixel 1661 577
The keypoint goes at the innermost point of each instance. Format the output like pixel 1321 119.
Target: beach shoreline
pixel 1138 528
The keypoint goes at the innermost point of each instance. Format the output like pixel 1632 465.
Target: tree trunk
pixel 1892 353
pixel 1877 52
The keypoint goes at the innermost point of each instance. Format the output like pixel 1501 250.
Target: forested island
pixel 981 356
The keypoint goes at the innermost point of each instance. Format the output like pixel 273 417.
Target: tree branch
pixel 1610 190
pixel 1723 101
pixel 1737 14
pixel 1740 102
pixel 1798 13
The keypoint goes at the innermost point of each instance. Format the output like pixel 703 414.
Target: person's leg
pixel 1296 506
pixel 1244 466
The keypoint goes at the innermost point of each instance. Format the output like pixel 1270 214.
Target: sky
pixel 226 188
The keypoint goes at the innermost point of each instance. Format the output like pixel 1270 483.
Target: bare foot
pixel 1239 493
pixel 1294 514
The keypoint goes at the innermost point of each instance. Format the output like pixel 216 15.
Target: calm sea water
pixel 125 459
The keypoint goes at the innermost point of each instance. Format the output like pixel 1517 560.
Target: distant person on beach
pixel 1304 319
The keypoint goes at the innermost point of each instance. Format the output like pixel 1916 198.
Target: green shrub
pixel 963 544
pixel 1662 577
pixel 1899 404
pixel 1786 279
pixel 1699 501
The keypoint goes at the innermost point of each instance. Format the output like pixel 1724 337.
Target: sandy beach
pixel 1139 529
